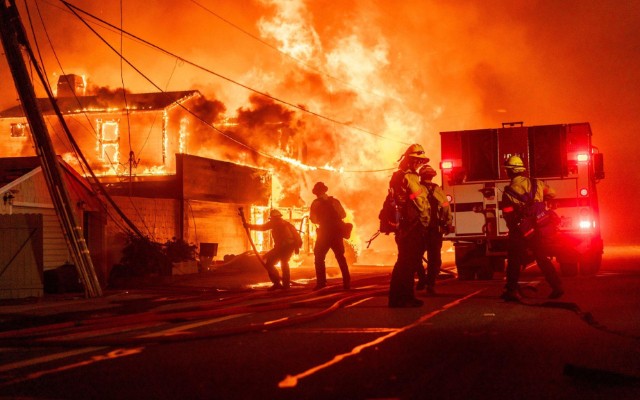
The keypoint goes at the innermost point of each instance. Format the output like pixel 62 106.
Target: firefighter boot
pixel 556 293
pixel 510 296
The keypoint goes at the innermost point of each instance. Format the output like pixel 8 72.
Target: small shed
pixel 32 237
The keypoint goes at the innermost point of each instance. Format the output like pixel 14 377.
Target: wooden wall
pixel 21 257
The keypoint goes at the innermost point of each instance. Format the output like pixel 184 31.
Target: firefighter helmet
pixel 417 151
pixel 319 188
pixel 427 172
pixel 275 214
pixel 515 164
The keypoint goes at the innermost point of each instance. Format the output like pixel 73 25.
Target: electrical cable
pixel 73 142
pixel 297 60
pixel 73 9
pixel 75 148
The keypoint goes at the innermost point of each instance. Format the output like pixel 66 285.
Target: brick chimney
pixel 70 85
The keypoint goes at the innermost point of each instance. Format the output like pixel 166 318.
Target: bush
pixel 178 250
pixel 142 256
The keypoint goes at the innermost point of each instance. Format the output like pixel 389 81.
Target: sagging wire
pixel 132 163
pixel 297 60
pixel 182 106
pixel 73 9
pixel 75 144
pixel 74 147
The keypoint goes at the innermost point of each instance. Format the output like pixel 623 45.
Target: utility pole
pixel 14 39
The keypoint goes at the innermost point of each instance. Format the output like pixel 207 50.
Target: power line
pixel 297 60
pixel 82 162
pixel 181 105
pixel 73 9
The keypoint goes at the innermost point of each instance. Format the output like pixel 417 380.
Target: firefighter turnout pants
pixel 330 240
pixel 517 250
pixel 410 250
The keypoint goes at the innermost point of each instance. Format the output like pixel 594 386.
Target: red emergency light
pixel 582 157
pixel 587 224
pixel 446 166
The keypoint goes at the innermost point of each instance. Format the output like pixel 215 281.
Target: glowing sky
pixel 405 70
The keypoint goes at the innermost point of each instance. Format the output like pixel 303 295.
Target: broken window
pixel 109 141
pixel 19 130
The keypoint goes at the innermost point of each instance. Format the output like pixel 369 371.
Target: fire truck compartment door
pixel 512 142
pixel 468 203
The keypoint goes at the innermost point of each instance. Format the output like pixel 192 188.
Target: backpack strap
pixel 526 198
pixel 534 189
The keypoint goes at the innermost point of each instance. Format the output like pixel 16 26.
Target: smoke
pixel 386 74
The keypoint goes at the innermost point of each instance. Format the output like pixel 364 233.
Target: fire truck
pixel 473 179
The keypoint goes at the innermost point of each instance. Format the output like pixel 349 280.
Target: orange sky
pixel 405 70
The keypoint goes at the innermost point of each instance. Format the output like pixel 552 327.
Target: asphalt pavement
pixel 143 294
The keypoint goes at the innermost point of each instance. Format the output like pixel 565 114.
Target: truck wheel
pixel 466 273
pixel 569 268
pixel 590 263
pixel 470 258
pixel 497 264
pixel 494 264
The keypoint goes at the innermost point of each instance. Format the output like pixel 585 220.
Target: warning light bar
pixel 446 166
pixel 582 157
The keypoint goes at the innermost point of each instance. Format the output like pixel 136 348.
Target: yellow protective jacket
pixel 512 206
pixel 441 215
pixel 411 197
pixel 282 231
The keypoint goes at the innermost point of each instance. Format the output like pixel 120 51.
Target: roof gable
pixel 107 102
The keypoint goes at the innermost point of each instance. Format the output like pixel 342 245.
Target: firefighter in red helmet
pixel 412 202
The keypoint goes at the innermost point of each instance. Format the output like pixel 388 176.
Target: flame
pixel 401 69
pixel 183 135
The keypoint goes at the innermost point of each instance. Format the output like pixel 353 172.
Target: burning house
pixel 118 132
pixel 137 145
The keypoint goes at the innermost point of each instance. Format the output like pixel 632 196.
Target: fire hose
pixel 253 246
pixel 48 341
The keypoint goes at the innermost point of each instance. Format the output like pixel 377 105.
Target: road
pixel 464 343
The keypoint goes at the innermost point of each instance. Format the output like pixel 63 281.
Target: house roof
pixel 15 169
pixel 106 102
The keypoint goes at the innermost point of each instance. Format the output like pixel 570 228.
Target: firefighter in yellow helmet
pixel 440 222
pixel 327 212
pixel 411 199
pixel 518 195
pixel 286 240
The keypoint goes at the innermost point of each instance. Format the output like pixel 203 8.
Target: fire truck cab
pixel 473 179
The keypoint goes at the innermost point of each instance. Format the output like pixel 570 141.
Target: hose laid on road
pixel 585 316
pixel 255 327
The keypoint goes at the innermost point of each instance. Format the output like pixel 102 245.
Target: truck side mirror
pixel 598 166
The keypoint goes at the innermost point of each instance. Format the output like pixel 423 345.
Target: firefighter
pixel 519 243
pixel 440 222
pixel 286 240
pixel 327 212
pixel 411 199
